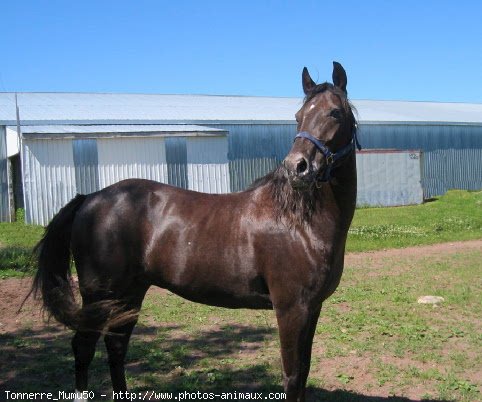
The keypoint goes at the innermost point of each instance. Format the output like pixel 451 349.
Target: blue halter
pixel 331 157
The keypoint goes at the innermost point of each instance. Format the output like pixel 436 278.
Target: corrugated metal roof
pixel 180 129
pixel 68 108
pixel 415 112
pixel 78 108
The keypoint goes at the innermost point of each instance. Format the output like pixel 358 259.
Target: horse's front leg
pixel 297 324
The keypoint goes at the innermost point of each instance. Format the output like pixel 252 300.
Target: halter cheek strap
pixel 331 157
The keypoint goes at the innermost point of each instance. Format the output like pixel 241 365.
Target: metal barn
pixel 83 142
pixel 61 161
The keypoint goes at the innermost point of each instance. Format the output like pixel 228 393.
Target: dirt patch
pixel 12 317
pixel 379 257
pixel 404 259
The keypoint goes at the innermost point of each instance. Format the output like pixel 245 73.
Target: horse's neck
pixel 342 190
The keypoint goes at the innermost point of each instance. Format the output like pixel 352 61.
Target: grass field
pixel 455 216
pixel 16 243
pixel 373 341
pixel 372 325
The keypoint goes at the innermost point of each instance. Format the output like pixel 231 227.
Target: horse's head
pixel 326 131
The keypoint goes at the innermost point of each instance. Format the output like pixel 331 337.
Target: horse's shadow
pixel 160 359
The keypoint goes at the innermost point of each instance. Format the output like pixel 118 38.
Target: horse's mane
pixel 297 205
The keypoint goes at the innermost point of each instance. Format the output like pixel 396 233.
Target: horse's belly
pixel 223 291
pixel 223 299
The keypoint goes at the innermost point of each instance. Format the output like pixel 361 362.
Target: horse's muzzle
pixel 300 172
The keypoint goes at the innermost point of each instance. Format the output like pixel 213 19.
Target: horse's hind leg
pixel 117 341
pixel 116 344
pixel 83 345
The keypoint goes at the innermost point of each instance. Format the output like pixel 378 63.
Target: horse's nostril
pixel 302 167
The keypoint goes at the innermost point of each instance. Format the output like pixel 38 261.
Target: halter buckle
pixel 330 159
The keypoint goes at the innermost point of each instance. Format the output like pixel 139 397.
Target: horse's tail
pixel 54 282
pixel 53 278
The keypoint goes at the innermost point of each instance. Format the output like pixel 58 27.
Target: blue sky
pixel 408 50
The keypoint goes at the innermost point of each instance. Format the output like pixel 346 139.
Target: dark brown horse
pixel 278 245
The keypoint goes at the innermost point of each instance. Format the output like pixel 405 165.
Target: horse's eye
pixel 335 113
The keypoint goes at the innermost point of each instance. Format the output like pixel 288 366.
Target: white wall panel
pixel 49 178
pixel 207 164
pixel 4 187
pixel 389 178
pixel 126 158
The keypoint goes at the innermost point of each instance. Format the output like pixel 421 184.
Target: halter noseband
pixel 331 157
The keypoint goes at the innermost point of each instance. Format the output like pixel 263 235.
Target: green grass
pixel 410 344
pixel 373 339
pixel 375 319
pixel 16 242
pixel 454 216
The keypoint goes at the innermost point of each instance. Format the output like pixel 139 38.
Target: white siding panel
pixel 49 178
pixel 389 178
pixel 127 158
pixel 207 164
pixel 12 142
pixel 4 187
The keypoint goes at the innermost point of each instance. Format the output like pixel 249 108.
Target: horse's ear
pixel 308 83
pixel 339 76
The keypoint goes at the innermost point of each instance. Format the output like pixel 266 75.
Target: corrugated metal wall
pixel 384 178
pixel 207 164
pixel 428 137
pixel 86 165
pixel 389 178
pixel 452 158
pixel 255 149
pixel 176 157
pixel 446 169
pixel 4 195
pixel 452 154
pixel 57 169
pixel 134 157
pixel 49 178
